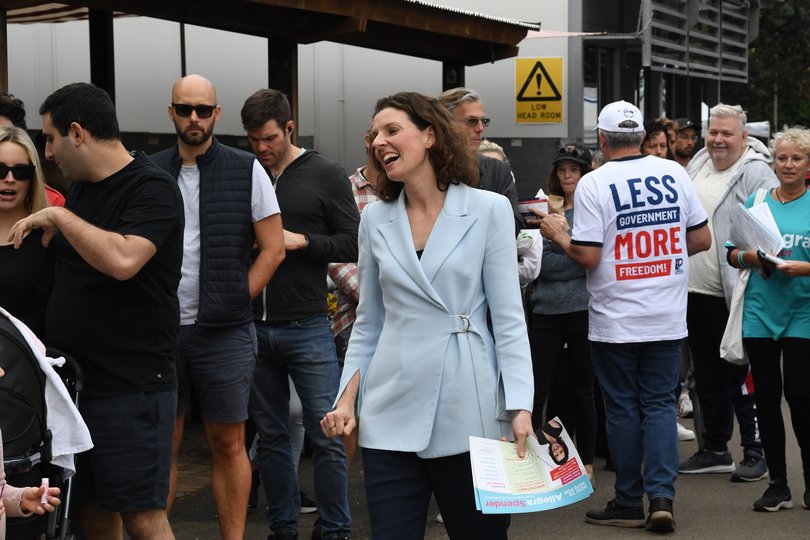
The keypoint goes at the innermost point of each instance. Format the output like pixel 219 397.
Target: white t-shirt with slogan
pixel 638 210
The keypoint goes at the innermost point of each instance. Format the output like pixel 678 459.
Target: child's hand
pixel 32 496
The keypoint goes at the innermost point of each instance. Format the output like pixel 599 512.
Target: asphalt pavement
pixel 707 506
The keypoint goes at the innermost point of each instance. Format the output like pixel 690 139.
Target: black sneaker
pixel 660 518
pixel 281 536
pixel 776 497
pixel 750 469
pixel 317 532
pixel 706 461
pixel 806 499
pixel 617 515
pixel 308 506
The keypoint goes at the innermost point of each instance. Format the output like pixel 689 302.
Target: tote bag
pixel 731 346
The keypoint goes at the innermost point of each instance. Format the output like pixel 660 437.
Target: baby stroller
pixel 26 437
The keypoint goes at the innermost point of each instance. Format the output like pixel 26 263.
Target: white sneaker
pixel 685 434
pixel 684 407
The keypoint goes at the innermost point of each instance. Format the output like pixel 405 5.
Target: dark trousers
pixel 398 489
pixel 764 353
pixel 564 375
pixel 719 383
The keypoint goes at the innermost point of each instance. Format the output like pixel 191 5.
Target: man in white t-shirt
pixel 230 205
pixel 638 220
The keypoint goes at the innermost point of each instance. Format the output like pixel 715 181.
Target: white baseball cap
pixel 622 117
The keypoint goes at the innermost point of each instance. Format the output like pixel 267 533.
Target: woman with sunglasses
pixel 29 269
pixel 558 329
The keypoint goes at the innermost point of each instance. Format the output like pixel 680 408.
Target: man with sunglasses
pixel 230 207
pixel 119 245
pixel 494 175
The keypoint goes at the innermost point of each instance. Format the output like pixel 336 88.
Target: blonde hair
pixel 36 199
pixel 489 146
pixel 798 135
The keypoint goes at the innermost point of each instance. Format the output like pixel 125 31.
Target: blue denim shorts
pixel 127 470
pixel 217 364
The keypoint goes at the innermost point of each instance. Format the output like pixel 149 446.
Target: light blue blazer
pixel 430 374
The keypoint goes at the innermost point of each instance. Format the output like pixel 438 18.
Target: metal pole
pixel 182 49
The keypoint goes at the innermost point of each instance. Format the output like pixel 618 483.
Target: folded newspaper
pixel 755 228
pixel 551 475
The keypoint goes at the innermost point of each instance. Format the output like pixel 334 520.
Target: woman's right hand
pixel 339 422
pixel 342 421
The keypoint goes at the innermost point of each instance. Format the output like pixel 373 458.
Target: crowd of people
pixel 204 270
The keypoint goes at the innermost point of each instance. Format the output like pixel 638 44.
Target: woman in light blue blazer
pixel 422 370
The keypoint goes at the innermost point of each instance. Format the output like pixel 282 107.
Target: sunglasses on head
pixel 19 172
pixel 203 111
pixel 570 150
pixel 472 121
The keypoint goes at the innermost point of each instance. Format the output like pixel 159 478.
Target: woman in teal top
pixel 776 318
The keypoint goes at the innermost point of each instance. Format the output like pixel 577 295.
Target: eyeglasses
pixel 685 137
pixel 20 172
pixel 472 121
pixel 203 111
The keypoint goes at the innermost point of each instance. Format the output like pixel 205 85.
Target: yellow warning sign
pixel 538 90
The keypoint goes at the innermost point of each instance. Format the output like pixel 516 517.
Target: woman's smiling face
pixel 400 146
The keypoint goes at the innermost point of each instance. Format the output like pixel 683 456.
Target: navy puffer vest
pixel 226 231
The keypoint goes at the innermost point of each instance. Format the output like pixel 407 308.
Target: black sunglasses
pixel 203 111
pixel 20 172
pixel 570 150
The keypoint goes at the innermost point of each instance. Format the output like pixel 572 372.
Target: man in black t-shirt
pixel 114 308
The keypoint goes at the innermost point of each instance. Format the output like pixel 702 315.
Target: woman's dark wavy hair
pixel 565 452
pixel 450 157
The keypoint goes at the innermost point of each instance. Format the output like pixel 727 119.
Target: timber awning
pixel 410 27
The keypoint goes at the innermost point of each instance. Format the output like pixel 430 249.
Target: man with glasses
pixel 685 142
pixel 495 175
pixel 230 205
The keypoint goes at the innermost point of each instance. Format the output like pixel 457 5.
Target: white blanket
pixel 70 433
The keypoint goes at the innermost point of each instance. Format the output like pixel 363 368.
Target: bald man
pixel 230 205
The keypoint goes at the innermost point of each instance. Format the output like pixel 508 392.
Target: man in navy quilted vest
pixel 231 210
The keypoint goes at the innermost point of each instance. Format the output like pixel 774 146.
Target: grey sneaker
pixel 750 469
pixel 777 496
pixel 706 461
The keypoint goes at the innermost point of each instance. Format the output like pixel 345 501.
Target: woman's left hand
pixel 31 500
pixel 522 428
pixel 794 268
